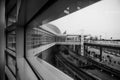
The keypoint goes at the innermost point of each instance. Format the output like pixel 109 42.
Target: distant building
pixel 73 38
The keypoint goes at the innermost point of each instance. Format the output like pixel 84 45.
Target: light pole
pixel 100 37
pixel 82 43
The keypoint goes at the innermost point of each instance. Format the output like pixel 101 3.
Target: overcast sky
pixel 101 18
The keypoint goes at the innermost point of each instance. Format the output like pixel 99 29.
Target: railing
pixel 106 42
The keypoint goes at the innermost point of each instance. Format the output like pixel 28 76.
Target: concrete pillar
pixel 100 54
pixel 21 74
pixel 73 47
pixel 2 39
pixel 82 45
pixel 85 48
pixel 20 53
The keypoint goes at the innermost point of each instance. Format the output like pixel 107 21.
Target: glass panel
pixel 37 37
pixel 11 20
pixel 11 41
pixel 11 63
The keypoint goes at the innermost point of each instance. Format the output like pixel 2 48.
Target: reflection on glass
pixel 11 42
pixel 39 37
pixel 11 63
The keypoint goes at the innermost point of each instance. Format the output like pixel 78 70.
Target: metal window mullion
pixel 2 39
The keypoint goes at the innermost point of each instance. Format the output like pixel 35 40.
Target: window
pixel 11 40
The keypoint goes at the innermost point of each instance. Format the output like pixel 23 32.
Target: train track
pixel 105 68
pixel 77 70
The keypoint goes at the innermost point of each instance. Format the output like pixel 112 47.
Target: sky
pixel 101 18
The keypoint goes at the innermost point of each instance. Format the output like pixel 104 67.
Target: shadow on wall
pixel 49 54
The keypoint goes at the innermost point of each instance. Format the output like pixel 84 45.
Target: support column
pixel 20 52
pixel 100 54
pixel 82 45
pixel 21 74
pixel 2 39
pixel 85 48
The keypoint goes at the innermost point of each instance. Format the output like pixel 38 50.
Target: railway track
pixel 77 70
pixel 100 66
pixel 105 68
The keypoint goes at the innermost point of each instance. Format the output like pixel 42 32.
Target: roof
pixel 51 28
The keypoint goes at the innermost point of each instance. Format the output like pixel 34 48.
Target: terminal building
pixel 31 48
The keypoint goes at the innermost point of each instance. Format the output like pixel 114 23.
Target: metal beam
pixel 103 45
pixel 2 39
pixel 30 9
pixel 10 6
pixel 41 10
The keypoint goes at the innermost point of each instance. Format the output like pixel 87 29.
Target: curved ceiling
pixel 50 27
